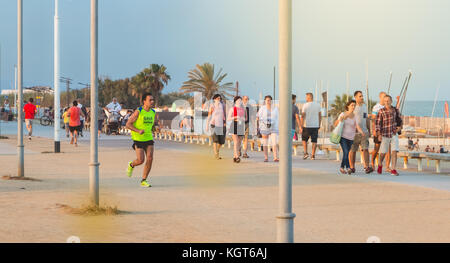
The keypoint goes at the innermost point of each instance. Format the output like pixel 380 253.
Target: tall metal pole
pixel 94 165
pixel 20 152
pixel 15 88
pixel 56 79
pixel 285 218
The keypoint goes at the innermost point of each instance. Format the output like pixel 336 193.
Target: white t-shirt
pixel 311 111
pixel 266 117
pixel 361 116
pixel 114 107
pixel 377 108
pixel 218 114
pixel 81 116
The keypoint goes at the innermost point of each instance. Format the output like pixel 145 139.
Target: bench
pixel 436 157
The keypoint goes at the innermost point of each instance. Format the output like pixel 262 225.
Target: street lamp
pixel 285 218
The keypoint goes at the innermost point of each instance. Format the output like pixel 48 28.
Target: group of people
pixel 238 120
pixel 428 149
pixel 386 127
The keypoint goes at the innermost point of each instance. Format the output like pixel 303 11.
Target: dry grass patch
pixel 91 210
pixel 18 178
pixel 3 137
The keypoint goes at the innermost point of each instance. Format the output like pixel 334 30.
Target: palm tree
pixel 151 79
pixel 158 78
pixel 203 79
pixel 338 105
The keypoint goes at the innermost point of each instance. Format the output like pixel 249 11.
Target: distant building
pixel 40 89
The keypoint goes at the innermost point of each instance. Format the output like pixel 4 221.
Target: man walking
pixel 388 125
pixel 30 110
pixel 141 125
pixel 377 143
pixel 310 123
pixel 249 110
pixel 362 140
pixel 295 116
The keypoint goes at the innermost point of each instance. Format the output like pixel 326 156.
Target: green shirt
pixel 145 122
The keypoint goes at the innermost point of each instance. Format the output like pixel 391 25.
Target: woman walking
pixel 237 116
pixel 348 134
pixel 216 120
pixel 268 127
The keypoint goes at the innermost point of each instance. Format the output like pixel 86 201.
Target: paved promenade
pixel 198 199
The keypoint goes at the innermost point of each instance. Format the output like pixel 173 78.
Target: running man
pixel 30 110
pixel 141 124
pixel 74 115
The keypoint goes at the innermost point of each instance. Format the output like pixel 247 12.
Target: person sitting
pixel 427 149
pixel 442 149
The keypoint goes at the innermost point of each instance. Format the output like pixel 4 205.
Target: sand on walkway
pixel 198 199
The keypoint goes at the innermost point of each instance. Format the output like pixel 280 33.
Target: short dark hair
pixel 145 95
pixel 349 103
pixel 31 100
pixel 268 96
pixel 216 96
pixel 389 96
pixel 294 96
pixel 75 103
pixel 237 98
pixel 356 93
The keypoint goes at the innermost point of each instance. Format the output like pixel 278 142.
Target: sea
pixel 424 108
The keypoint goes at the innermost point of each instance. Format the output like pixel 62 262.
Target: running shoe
pixel 394 172
pixel 144 183
pixel 380 169
pixel 130 169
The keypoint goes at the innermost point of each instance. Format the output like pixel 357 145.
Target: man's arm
pixel 133 118
pixel 320 118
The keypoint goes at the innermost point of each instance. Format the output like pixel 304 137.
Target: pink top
pixel 349 130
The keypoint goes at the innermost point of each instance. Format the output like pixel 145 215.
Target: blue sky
pixel 331 37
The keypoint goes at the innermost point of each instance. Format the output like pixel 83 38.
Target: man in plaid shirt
pixel 387 126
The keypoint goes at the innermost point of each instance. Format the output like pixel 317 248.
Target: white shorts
pixel 272 139
pixel 393 142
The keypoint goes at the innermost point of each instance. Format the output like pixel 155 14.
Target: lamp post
pixel 285 218
pixel 56 79
pixel 21 167
pixel 94 165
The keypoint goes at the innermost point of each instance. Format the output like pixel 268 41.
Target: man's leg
pixel 75 136
pixel 245 141
pixel 314 146
pixel 388 158
pixel 305 146
pixel 140 157
pixel 148 163
pixel 366 158
pixel 393 160
pixel 352 157
pixel 376 148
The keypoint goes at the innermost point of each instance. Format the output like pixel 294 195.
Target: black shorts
pixel 142 145
pixel 310 132
pixel 100 125
pixel 74 128
pixel 219 134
